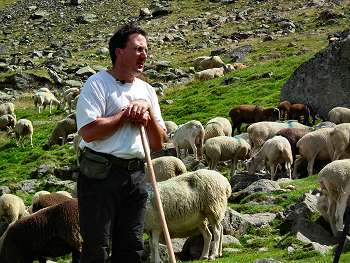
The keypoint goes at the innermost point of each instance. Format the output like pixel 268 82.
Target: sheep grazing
pixel 284 109
pixel 334 180
pixel 189 136
pixel 60 133
pixel 7 122
pixel 68 97
pixel 312 146
pixel 293 135
pixel 202 63
pixel 7 108
pixel 339 115
pixel 170 128
pixel 299 112
pixel 224 148
pixel 218 126
pixel 47 200
pixel 166 167
pixel 264 130
pixel 23 128
pixel 12 208
pixel 274 151
pixel 50 232
pixel 212 73
pixel 339 140
pixel 42 98
pixel 250 114
pixel 190 200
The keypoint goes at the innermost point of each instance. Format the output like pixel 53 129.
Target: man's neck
pixel 121 75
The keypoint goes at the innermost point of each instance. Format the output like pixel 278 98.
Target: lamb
pixel 261 131
pixel 334 180
pixel 299 111
pixel 250 114
pixel 23 128
pixel 47 200
pixel 190 200
pixel 218 126
pixel 60 133
pixel 224 148
pixel 7 122
pixel 284 107
pixel 311 146
pixel 170 127
pixel 212 73
pixel 293 135
pixel 50 232
pixel 35 198
pixel 68 97
pixel 202 63
pixel 166 167
pixel 274 151
pixel 339 115
pixel 12 208
pixel 7 108
pixel 42 99
pixel 339 140
pixel 189 135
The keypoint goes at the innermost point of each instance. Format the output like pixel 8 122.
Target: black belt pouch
pixel 94 166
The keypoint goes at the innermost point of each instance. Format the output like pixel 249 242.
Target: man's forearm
pixel 101 127
pixel 156 134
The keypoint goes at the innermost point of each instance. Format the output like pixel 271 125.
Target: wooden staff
pixel 156 194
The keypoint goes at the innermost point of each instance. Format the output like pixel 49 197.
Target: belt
pixel 128 164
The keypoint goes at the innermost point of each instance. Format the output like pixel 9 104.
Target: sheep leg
pixel 340 210
pixel 234 166
pixel 31 140
pixel 155 246
pixel 272 170
pixel 194 149
pixel 204 230
pixel 331 216
pixel 289 170
pixel 239 127
pixel 178 152
pixel 216 240
pixel 310 165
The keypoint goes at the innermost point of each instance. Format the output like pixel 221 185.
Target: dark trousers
pixel 112 208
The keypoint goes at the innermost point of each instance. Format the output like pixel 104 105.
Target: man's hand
pixel 137 112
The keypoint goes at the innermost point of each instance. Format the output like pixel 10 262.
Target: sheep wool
pixel 190 201
pixel 166 167
pixel 334 180
pixel 12 208
pixel 23 128
pixel 218 126
pixel 339 115
pixel 50 232
pixel 339 140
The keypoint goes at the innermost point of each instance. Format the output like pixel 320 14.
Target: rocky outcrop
pixel 323 82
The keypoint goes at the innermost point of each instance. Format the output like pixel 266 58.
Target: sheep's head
pixel 254 164
pixel 228 68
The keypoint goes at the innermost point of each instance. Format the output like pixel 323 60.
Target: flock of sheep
pixel 192 200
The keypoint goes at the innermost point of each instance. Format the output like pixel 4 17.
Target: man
pixel 111 188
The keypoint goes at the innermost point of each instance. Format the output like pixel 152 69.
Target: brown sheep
pixel 250 114
pixel 298 112
pixel 284 109
pixel 293 135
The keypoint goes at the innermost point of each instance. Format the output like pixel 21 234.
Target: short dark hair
pixel 121 37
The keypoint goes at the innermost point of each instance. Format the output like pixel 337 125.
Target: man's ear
pixel 118 51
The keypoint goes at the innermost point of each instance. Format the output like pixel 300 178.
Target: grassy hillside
pixel 269 65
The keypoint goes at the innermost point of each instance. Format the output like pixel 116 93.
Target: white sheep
pixel 23 128
pixel 41 99
pixel 189 135
pixel 202 63
pixel 12 208
pixel 334 180
pixel 274 151
pixel 7 122
pixel 36 197
pixel 261 131
pixel 190 200
pixel 212 73
pixel 166 167
pixel 218 126
pixel 7 108
pixel 69 96
pixel 339 115
pixel 223 148
pixel 61 131
pixel 44 90
pixel 339 140
pixel 65 193
pixel 170 127
pixel 312 146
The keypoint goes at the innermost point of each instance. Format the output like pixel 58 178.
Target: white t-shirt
pixel 103 96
